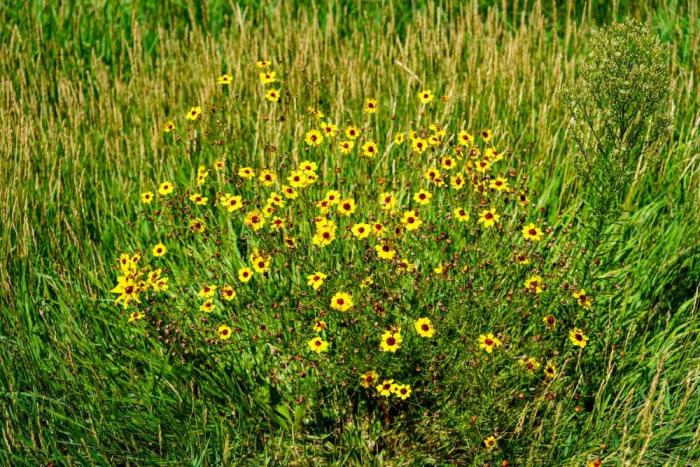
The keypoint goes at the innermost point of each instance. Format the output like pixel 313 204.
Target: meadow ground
pixel 523 303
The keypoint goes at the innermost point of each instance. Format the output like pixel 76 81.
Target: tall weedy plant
pixel 619 115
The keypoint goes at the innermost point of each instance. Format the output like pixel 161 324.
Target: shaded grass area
pixel 86 90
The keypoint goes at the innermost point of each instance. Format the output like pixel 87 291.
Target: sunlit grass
pixel 82 137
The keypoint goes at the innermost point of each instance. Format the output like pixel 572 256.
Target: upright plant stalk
pixel 618 118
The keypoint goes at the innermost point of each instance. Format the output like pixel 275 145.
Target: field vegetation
pixel 363 233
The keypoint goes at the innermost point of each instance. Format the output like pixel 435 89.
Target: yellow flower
pixel 158 283
pixel 532 233
pixel 128 290
pixel 224 80
pixel 422 197
pixel 522 199
pixel 289 192
pixel 384 389
pixel 425 96
pixel 499 184
pixel 366 282
pixel 522 258
pixel 486 135
pixel 437 130
pixel 219 165
pixel 490 442
pixel 346 146
pixel 529 363
pixel 231 203
pixel 534 284
pixel 318 345
pixel 370 149
pixel 583 299
pixel 419 145
pixel 457 181
pixel 550 370
pixel 208 306
pixel 147 197
pixel 260 263
pixel 255 220
pixel 246 173
pixel 315 280
pixel 402 391
pixel 488 342
pixel 361 230
pixel 245 274
pixel 341 301
pixel 313 137
pixel 228 293
pixel 198 199
pixel 194 113
pixel 405 265
pixel 346 207
pixel 448 163
pixel 262 64
pixel 411 220
pixel 224 332
pixel 399 139
pixel 207 291
pixel 277 223
pixel 368 378
pixel 315 112
pixel 126 264
pixel 352 132
pixel 433 176
pixel 329 129
pixel 384 251
pixel 578 338
pixel 165 188
pixel 424 327
pixel 297 179
pixel 319 325
pixel 465 138
pixel 159 250
pixel 202 177
pixel 332 196
pixel 324 235
pixel 391 341
pixel 267 177
pixel 377 229
pixel 272 95
pixel 135 316
pixel 290 242
pixel 387 201
pixel 371 106
pixel 267 77
pixel 489 218
pixel 197 225
pixel 461 214
pixel 482 166
pixel 439 269
pixel 550 321
pixel 169 126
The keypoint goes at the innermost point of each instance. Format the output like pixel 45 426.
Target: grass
pixel 86 89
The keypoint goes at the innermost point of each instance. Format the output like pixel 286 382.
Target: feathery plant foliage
pixel 619 118
pixel 87 88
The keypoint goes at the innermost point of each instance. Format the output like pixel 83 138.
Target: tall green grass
pixel 85 88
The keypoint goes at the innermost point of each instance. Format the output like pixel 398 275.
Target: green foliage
pixel 86 88
pixel 619 118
